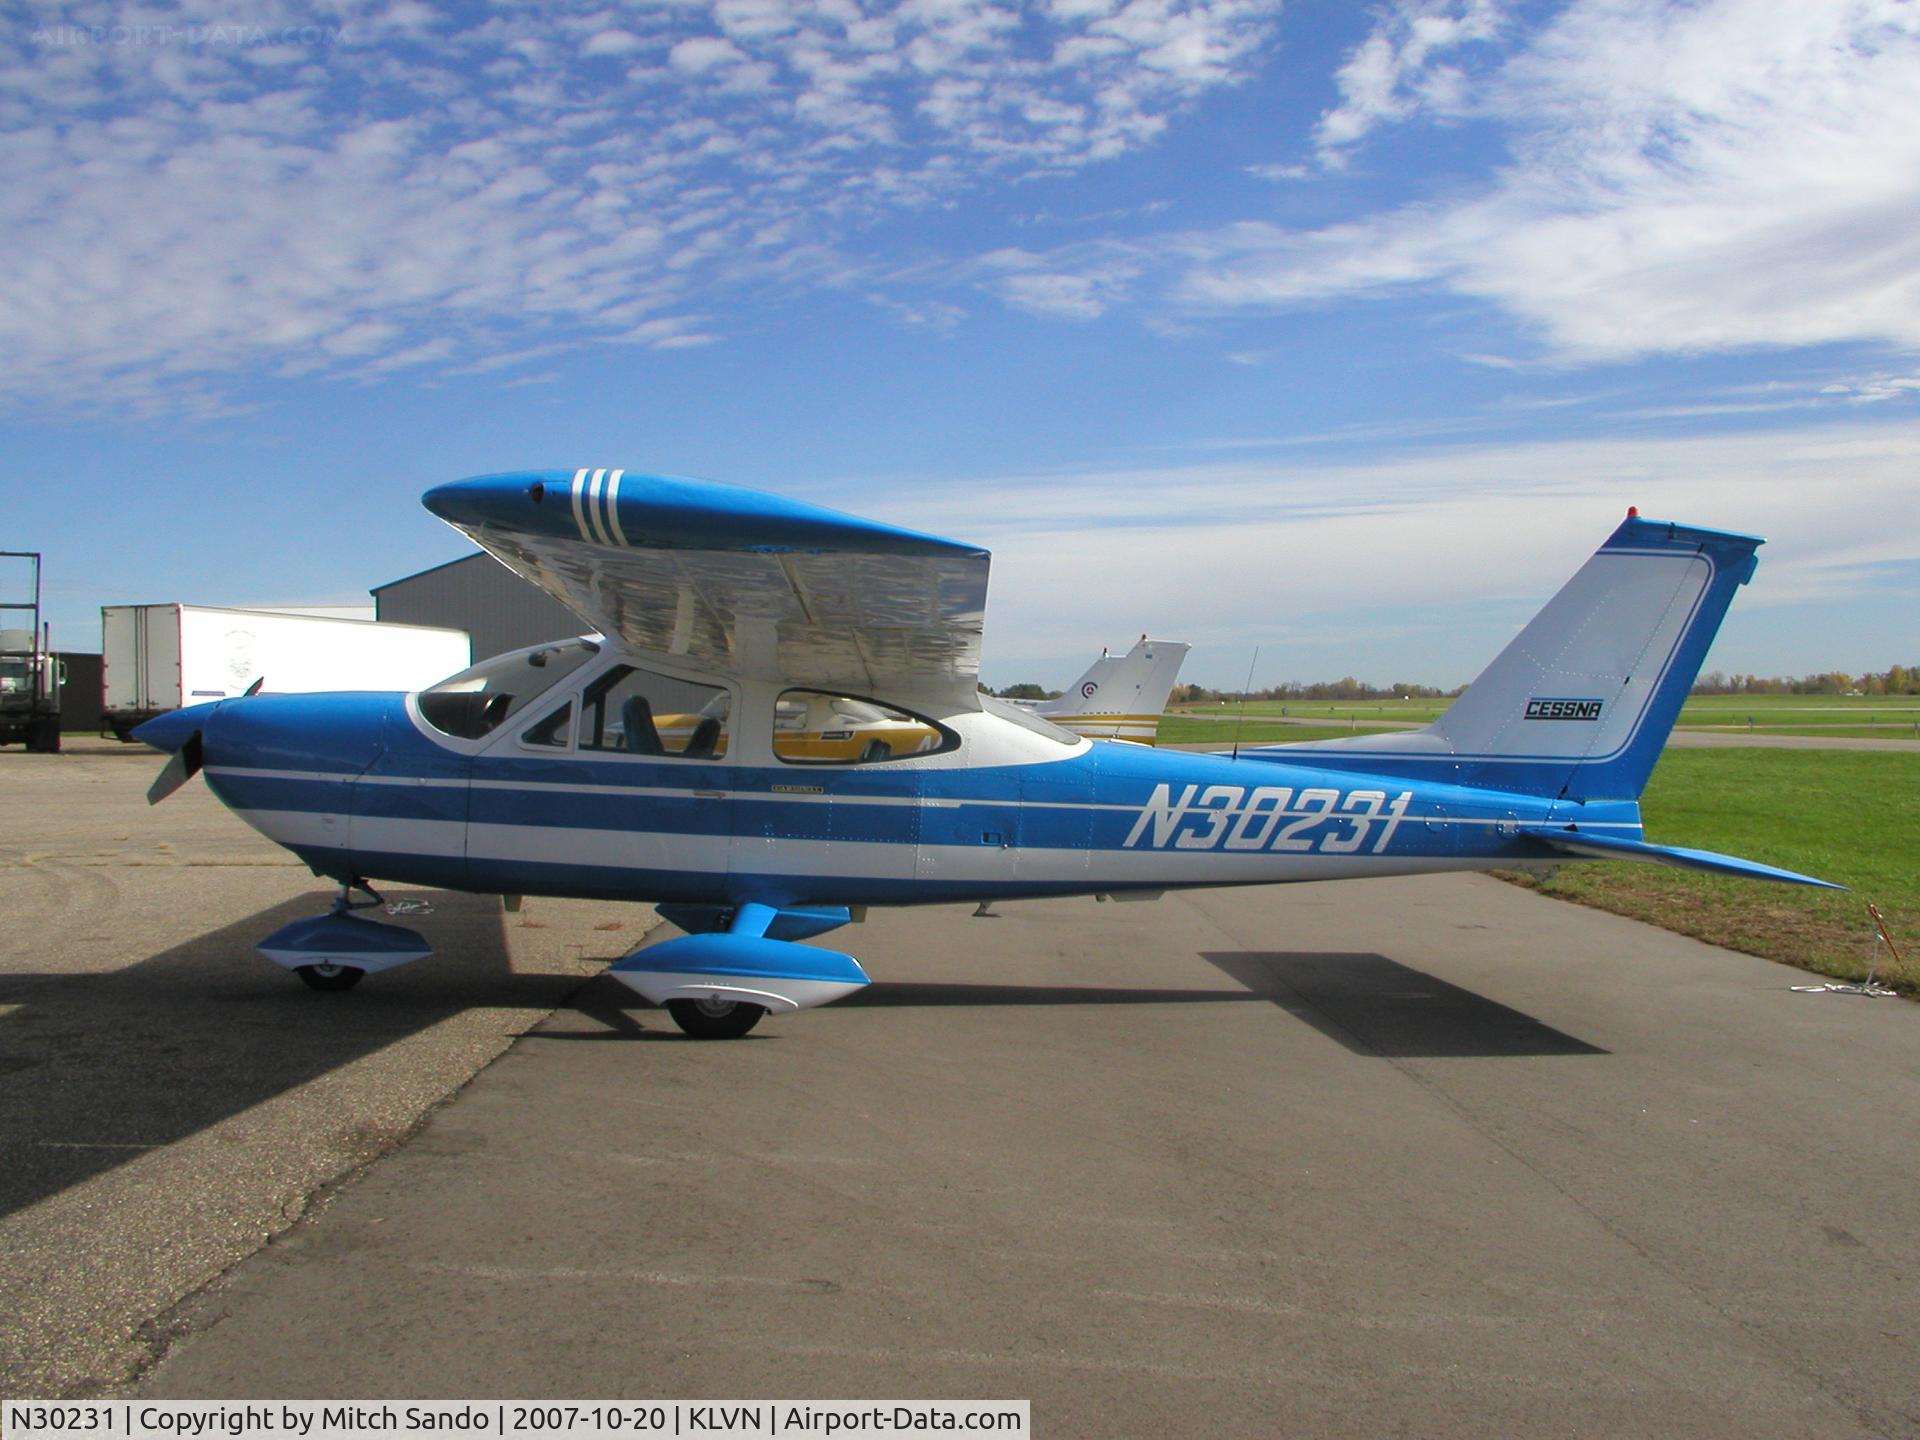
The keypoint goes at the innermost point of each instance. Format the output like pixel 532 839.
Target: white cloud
pixel 1416 554
pixel 703 52
pixel 933 315
pixel 1074 284
pixel 613 42
pixel 1871 389
pixel 1069 297
pixel 303 197
pixel 1684 178
pixel 1393 72
pixel 424 353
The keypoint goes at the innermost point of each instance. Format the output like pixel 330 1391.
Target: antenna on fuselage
pixel 1240 720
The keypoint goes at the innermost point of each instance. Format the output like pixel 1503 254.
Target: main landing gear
pixel 712 1018
pixel 737 964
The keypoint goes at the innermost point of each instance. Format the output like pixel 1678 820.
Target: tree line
pixel 1345 688
pixel 1894 680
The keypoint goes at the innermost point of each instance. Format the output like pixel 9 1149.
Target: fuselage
pixel 368 786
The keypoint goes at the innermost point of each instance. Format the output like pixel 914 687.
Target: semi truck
pixel 158 658
pixel 30 676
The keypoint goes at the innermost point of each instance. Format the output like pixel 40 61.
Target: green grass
pixel 1865 717
pixel 1827 732
pixel 1820 710
pixel 1841 815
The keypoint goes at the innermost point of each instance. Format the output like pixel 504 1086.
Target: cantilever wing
pixel 737 579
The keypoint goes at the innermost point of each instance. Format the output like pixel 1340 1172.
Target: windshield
pixel 1027 720
pixel 470 704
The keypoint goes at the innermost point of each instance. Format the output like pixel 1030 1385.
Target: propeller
pixel 181 767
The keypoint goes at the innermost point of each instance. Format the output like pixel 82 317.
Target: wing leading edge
pixel 737 579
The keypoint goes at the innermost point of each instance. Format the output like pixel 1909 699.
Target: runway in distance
pixel 829 749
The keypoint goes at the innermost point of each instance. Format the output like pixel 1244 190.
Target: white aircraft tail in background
pixel 1120 697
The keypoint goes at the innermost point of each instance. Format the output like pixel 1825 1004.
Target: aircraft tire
pixel 708 1020
pixel 330 977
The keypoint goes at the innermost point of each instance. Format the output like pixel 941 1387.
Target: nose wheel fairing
pixel 333 951
pixel 345 940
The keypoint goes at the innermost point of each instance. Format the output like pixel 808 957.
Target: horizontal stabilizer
pixel 776 974
pixel 1589 846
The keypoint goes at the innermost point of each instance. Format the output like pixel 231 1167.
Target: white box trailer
pixel 157 658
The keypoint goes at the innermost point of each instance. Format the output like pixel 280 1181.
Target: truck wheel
pixel 43 735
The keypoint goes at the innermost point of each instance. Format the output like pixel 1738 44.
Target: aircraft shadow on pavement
pixel 930 993
pixel 96 1069
pixel 615 1007
pixel 1376 1006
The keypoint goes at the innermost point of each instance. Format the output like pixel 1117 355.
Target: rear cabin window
pixel 479 699
pixel 815 727
pixel 630 711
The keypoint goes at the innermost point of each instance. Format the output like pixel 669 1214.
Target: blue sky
pixel 1341 331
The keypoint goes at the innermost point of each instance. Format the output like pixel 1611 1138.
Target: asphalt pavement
pixel 169 1100
pixel 1433 1157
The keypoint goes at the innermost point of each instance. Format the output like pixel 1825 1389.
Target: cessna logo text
pixel 1269 817
pixel 1563 709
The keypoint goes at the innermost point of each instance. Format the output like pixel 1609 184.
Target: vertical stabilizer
pixel 1580 704
pixel 1121 697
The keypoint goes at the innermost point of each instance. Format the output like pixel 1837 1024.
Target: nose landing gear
pixel 336 950
pixel 326 976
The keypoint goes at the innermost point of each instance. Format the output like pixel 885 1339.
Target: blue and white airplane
pixel 778 725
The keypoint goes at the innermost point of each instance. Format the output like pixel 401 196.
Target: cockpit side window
pixel 474 702
pixel 816 727
pixel 637 712
pixel 553 732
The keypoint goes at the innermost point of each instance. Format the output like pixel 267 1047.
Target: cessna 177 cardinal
pixel 779 724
